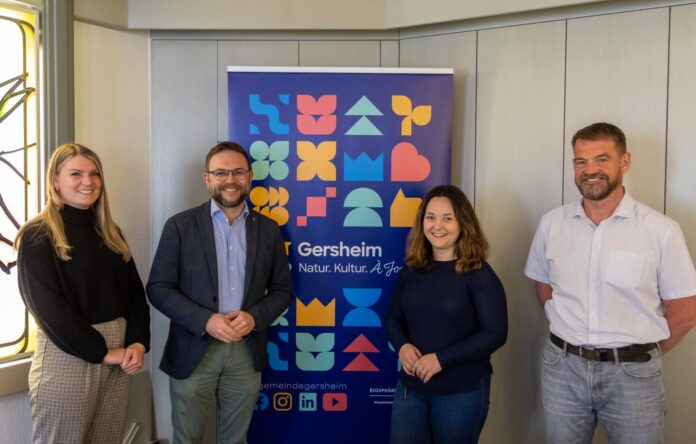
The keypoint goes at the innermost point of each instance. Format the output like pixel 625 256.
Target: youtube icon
pixel 334 402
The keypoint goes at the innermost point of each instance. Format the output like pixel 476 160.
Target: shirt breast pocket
pixel 625 268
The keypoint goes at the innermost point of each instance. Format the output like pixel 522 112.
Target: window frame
pixel 53 30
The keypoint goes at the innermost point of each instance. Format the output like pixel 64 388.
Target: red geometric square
pixel 330 191
pixel 301 221
pixel 316 206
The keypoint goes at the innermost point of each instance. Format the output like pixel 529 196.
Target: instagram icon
pixel 282 401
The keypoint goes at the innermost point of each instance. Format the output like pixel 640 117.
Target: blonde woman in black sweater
pixel 78 279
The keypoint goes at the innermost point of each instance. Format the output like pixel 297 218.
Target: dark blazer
pixel 183 285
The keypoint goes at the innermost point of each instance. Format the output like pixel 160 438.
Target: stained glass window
pixel 19 169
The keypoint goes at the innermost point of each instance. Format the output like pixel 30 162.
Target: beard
pixel 599 190
pixel 216 194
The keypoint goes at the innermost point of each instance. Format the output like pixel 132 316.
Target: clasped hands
pixel 129 358
pixel 417 364
pixel 230 327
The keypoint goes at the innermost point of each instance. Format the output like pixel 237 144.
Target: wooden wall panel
pixel 456 51
pixel 184 104
pixel 340 53
pixel 617 72
pixel 519 152
pixel 680 203
pixel 389 54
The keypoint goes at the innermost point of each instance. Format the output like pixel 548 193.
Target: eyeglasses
pixel 239 173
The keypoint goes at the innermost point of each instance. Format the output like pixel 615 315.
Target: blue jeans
pixel 627 398
pixel 421 418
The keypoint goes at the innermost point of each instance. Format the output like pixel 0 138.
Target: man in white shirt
pixel 619 289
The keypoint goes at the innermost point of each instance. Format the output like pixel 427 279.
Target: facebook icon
pixel 261 402
pixel 308 402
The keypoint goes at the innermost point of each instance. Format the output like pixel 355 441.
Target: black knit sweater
pixel 94 286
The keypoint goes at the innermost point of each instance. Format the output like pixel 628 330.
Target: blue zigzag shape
pixel 271 112
pixel 274 359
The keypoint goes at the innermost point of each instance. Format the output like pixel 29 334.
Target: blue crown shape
pixel 363 168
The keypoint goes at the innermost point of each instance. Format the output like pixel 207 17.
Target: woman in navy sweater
pixel 447 316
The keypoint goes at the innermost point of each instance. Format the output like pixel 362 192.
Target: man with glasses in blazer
pixel 221 275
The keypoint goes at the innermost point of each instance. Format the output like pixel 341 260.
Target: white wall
pixel 306 14
pixel 112 116
pixel 103 12
pixel 404 13
pixel 252 14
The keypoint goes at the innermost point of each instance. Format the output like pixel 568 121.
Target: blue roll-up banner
pixel 341 160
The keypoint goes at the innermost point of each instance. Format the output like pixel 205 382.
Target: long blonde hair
pixel 49 220
pixel 471 249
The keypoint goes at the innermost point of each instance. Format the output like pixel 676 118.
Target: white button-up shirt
pixel 609 280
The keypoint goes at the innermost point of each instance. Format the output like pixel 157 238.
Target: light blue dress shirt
pixel 230 249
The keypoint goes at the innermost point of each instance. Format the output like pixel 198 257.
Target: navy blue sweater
pixel 460 318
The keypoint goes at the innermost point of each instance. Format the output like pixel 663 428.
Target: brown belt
pixel 630 353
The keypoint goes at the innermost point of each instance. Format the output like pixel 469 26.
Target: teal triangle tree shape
pixel 363 127
pixel 364 107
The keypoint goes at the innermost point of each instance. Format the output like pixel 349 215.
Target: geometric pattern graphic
pixel 420 115
pixel 361 345
pixel 270 202
pixel 363 200
pixel 271 113
pixel 363 168
pixel 361 316
pixel 363 127
pixel 315 314
pixel 316 161
pixel 316 206
pixel 268 160
pixel 402 212
pixel 355 180
pixel 363 107
pixel 274 359
pixel 407 165
pixel 323 108
pixel 361 363
pixel 314 353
